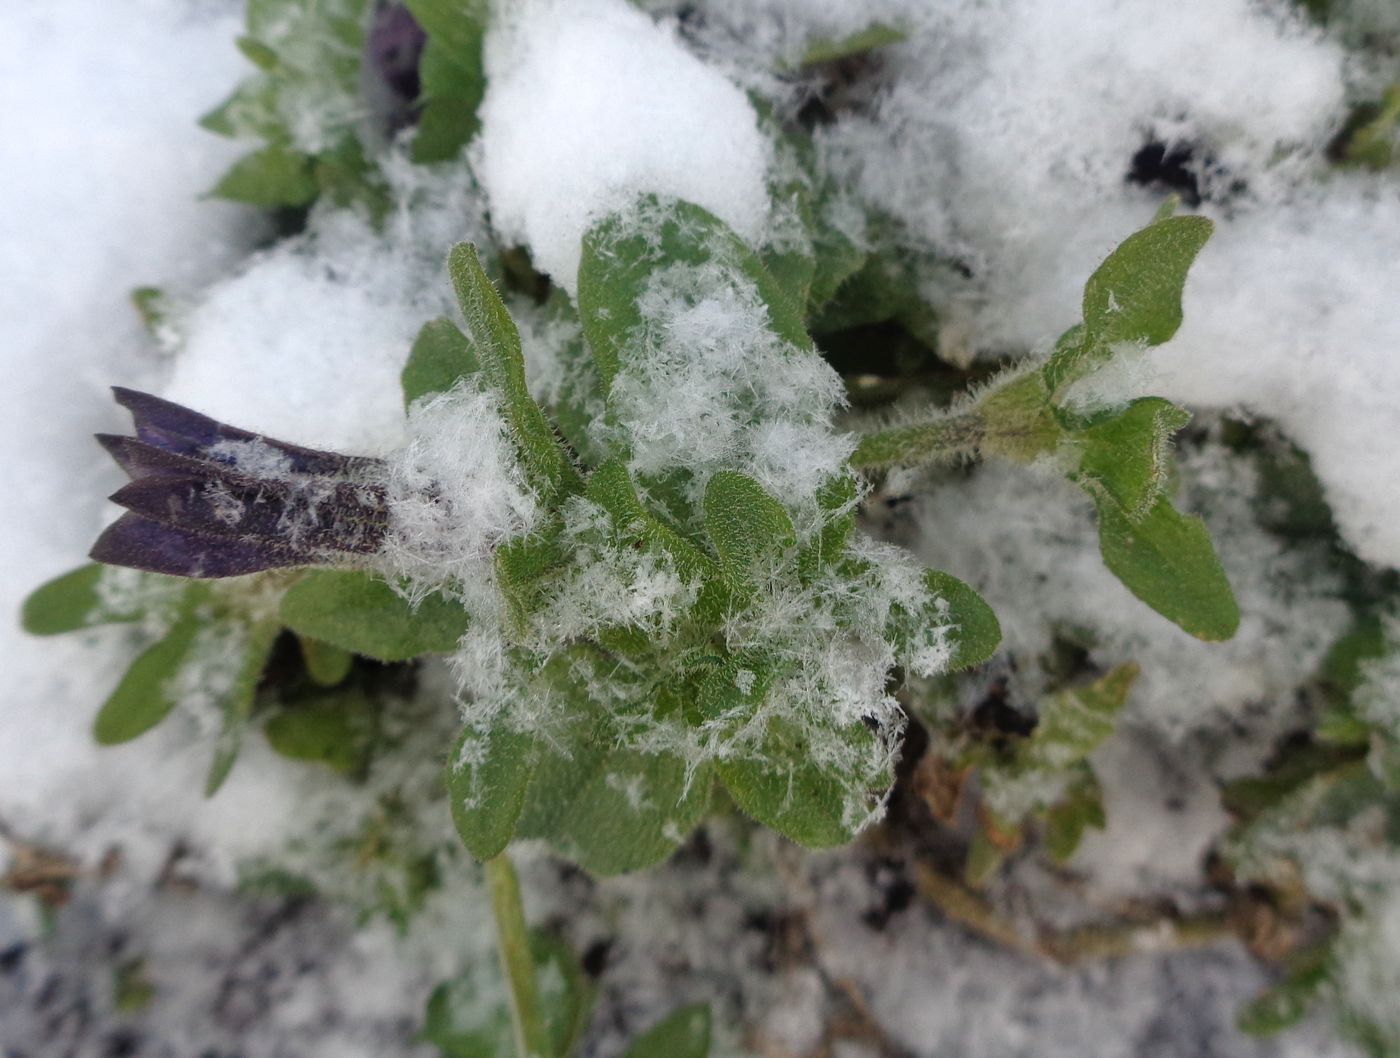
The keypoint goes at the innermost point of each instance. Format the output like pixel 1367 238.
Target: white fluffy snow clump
pixel 589 104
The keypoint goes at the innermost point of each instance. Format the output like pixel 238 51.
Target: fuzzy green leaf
pixel 1134 296
pixel 271 178
pixel 440 358
pixel 612 489
pixel 608 808
pixel 335 729
pixel 784 789
pixel 1047 773
pixel 487 779
pixel 978 632
pixel 524 567
pixel 359 612
pixel 1074 722
pixel 1128 454
pixel 1080 809
pixel 253 642
pixel 1166 559
pixel 146 694
pixel 684 1033
pixel 750 530
pixel 70 602
pixel 838 499
pixel 496 343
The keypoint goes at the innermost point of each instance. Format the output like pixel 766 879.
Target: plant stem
pixel 941 439
pixel 1070 946
pixel 517 962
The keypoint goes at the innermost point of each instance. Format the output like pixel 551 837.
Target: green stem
pixel 517 962
pixel 937 440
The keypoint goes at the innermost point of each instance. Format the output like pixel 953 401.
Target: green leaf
pixel 1288 1002
pixel 335 729
pixel 155 307
pixel 978 631
pixel 1370 134
pixel 1134 296
pixel 1074 722
pixel 272 177
pixel 440 358
pixel 146 694
pixel 612 489
pixel 359 612
pixel 469 1016
pixel 1066 821
pixel 252 640
pixel 1047 772
pixel 750 530
pixel 874 36
pixel 608 808
pixel 346 177
pixel 74 601
pixel 496 342
pixel 837 499
pixel 1128 455
pixel 1166 559
pixel 782 788
pixel 684 1033
pixel 250 112
pixel 451 74
pixel 620 255
pixel 525 566
pixel 487 779
pixel 325 664
pixel 614 810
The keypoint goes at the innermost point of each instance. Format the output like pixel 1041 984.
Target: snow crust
pixel 589 104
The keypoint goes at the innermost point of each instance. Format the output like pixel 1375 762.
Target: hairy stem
pixel 517 962
pixel 937 440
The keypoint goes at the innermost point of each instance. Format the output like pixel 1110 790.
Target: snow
pixel 455 490
pixel 706 384
pixel 1291 314
pixel 306 342
pixel 589 105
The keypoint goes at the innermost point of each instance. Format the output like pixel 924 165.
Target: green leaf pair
pixel 208 654
pixel 303 104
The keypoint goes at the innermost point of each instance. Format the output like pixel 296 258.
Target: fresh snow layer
pixel 590 104
pixel 1294 313
pixel 1003 138
pixel 307 341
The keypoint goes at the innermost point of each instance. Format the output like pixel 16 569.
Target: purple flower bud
pixel 209 500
